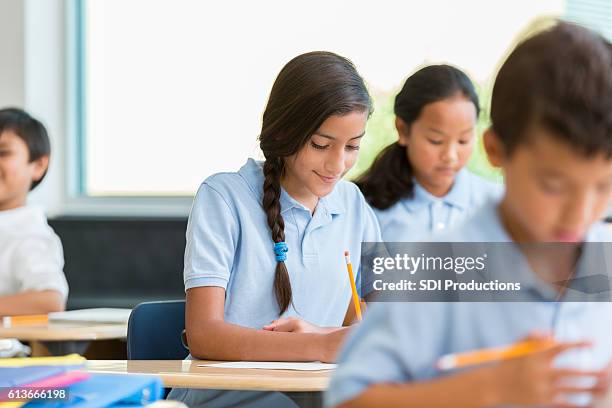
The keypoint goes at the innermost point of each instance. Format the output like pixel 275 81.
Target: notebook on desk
pixel 99 315
pixel 106 390
pixel 17 376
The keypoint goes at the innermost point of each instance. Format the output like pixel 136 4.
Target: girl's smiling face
pixel 332 150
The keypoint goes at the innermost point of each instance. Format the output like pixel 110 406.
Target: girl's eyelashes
pixel 439 142
pixel 318 146
pixel 323 147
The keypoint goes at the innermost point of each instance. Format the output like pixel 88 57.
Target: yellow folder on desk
pixel 70 359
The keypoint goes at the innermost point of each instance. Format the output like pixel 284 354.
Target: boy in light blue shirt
pixel 552 136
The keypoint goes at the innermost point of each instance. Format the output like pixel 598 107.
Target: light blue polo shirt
pixel 411 219
pixel 229 245
pixel 401 342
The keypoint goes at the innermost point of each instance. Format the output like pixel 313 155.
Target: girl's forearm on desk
pixel 219 340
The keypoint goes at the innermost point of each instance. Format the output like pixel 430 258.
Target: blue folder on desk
pixel 19 376
pixel 108 390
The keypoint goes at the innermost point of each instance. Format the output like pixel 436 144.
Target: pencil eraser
pixel 446 363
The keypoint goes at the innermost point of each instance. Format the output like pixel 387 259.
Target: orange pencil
pixel 522 348
pixel 356 300
pixel 8 321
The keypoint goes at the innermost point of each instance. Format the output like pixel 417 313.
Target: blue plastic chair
pixel 155 331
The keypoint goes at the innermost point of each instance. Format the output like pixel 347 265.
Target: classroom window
pixel 172 91
pixel 596 14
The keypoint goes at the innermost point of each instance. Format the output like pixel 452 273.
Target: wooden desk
pixel 187 374
pixel 60 331
pixel 65 337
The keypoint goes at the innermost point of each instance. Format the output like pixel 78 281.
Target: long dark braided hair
pixel 308 90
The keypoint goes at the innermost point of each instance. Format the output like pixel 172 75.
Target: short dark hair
pixel 559 80
pixel 30 130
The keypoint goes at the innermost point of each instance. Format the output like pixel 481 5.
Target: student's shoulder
pixel 227 185
pixel 484 187
pixel 600 232
pixel 27 227
pixel 26 220
pixel 347 187
pixel 483 225
pixel 347 193
pixel 394 217
pixel 223 181
pixel 247 181
pixel 401 320
pixel 399 312
pixel 354 198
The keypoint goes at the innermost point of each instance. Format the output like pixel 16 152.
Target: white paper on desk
pixel 97 315
pixel 273 365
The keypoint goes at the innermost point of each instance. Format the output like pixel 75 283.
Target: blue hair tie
pixel 280 250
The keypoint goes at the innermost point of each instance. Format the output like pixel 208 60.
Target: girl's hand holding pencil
pixel 328 340
pixel 331 337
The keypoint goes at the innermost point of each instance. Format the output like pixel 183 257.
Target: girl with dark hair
pixel 418 185
pixel 264 263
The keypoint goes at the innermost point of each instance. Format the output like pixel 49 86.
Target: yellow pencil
pixel 349 268
pixel 469 358
pixel 8 321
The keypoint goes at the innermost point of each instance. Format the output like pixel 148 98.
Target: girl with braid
pixel 264 273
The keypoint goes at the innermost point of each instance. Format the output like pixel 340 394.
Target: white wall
pixel 11 49
pixel 44 90
pixel 31 77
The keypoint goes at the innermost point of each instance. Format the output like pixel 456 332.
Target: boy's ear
pixel 494 148
pixel 39 168
pixel 402 130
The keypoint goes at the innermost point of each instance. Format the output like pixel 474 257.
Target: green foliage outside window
pixel 381 132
